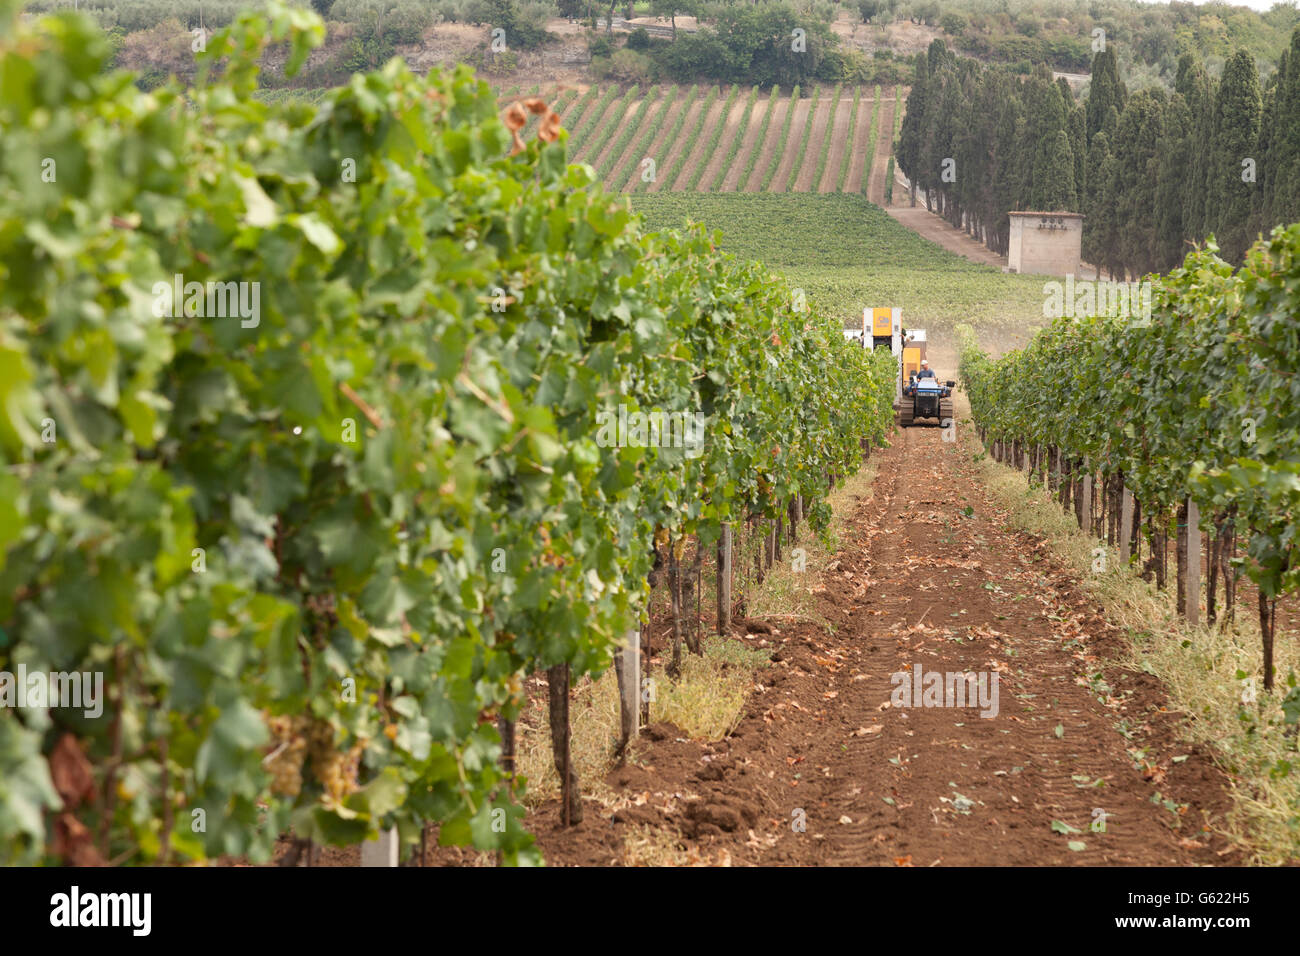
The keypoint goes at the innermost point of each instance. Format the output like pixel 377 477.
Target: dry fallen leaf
pixel 863 731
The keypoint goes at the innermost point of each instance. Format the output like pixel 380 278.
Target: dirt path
pixel 884 147
pixel 938 230
pixel 839 143
pixel 802 117
pixel 821 119
pixel 735 120
pixel 861 162
pixel 928 576
pixel 767 156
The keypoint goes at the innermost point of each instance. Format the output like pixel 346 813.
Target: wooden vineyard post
pixel 381 851
pixel 1193 596
pixel 1125 527
pixel 694 640
pixel 1180 557
pixel 675 598
pixel 724 580
pixel 558 692
pixel 629 688
pixel 1085 518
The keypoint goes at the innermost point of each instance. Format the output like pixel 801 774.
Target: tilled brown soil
pixel 631 156
pixel 884 147
pixel 736 126
pixel 731 181
pixel 839 143
pixel 860 164
pixel 680 142
pixel 920 583
pixel 785 171
pixel 619 122
pixel 767 149
pixel 820 118
pixel 697 143
pixel 658 147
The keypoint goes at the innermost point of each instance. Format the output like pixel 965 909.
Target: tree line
pixel 1151 171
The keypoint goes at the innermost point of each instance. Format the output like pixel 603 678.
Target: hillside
pixel 719 139
pixel 868 41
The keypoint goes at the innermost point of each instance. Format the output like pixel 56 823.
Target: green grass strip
pixel 711 147
pixel 758 142
pixel 803 139
pixel 612 121
pixel 589 121
pixel 580 107
pixel 847 158
pixel 673 133
pixel 562 101
pixel 827 136
pixel 646 138
pixel 775 162
pixel 691 137
pixel 736 140
pixel 871 144
pixel 630 129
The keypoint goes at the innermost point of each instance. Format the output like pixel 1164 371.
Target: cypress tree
pixel 1237 114
pixel 1067 94
pixel 944 116
pixel 1079 149
pixel 1106 90
pixel 1010 152
pixel 1284 147
pixel 1098 216
pixel 1136 165
pixel 1046 117
pixel 1053 175
pixel 1194 86
pixel 909 135
pixel 1174 161
pixel 1110 257
pixel 1261 200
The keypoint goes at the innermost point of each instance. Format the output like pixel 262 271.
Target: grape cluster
pixel 335 770
pixel 287 753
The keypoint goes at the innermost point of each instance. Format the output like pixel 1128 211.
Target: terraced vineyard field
pixel 725 139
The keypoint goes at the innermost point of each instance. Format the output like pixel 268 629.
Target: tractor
pixel 925 398
pixel 913 398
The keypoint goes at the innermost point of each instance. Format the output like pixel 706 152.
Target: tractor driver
pixel 926 371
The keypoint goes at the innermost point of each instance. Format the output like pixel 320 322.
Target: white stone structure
pixel 1045 243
